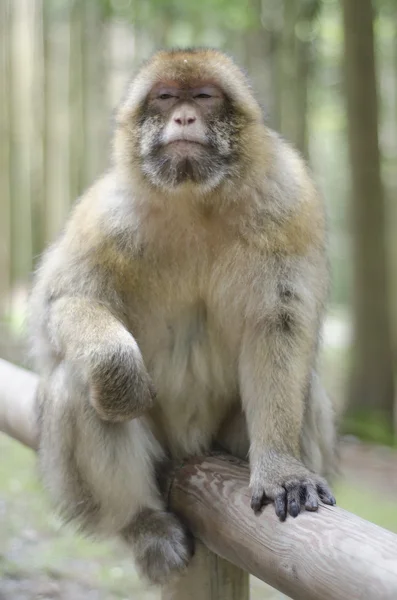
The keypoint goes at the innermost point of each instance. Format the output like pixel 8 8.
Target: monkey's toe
pixel 288 501
pixel 280 506
pixel 325 493
pixel 309 497
pixel 304 495
pixel 161 545
pixel 294 499
pixel 292 495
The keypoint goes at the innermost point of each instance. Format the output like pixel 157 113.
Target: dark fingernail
pixel 331 500
pixel 281 515
pixel 325 495
pixel 256 503
pixel 279 505
pixel 293 509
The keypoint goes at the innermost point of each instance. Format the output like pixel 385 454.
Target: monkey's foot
pixel 162 547
pixel 290 486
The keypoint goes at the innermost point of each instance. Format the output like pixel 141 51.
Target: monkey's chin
pixel 182 163
pixel 184 148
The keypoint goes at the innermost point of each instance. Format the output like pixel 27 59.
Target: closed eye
pixel 203 96
pixel 165 96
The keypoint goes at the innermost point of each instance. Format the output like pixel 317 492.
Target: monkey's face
pixel 189 117
pixel 187 133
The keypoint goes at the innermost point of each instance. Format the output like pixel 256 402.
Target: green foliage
pixel 365 503
pixel 225 15
pixel 371 426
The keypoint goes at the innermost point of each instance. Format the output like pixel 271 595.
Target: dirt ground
pixel 41 560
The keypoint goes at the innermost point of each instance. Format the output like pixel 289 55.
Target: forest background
pixel 325 72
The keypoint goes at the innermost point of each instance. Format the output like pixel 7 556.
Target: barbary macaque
pixel 181 308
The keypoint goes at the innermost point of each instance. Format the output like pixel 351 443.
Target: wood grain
pixel 329 555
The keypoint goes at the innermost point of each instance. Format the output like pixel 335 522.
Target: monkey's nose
pixel 184 119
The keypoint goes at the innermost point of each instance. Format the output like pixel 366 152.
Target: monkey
pixel 179 309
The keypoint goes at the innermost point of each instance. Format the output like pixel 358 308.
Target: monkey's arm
pixel 89 335
pixel 78 315
pixel 278 350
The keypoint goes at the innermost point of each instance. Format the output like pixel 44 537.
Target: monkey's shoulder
pixel 103 225
pixel 290 215
pixel 91 249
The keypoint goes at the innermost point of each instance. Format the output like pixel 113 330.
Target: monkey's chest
pixel 194 372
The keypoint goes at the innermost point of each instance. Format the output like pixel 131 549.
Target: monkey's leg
pixel 161 545
pixel 102 476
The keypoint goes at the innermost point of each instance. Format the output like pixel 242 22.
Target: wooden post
pixel 209 577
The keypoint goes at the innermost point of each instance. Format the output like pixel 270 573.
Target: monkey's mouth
pixel 182 150
pixel 184 139
pixel 178 160
pixel 184 143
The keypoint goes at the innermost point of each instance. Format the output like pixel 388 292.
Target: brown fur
pixel 168 317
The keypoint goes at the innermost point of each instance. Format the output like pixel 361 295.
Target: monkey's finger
pixel 280 505
pixel 293 500
pixel 258 499
pixel 325 494
pixel 309 497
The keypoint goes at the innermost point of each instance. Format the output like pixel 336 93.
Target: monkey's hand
pixel 121 388
pixel 285 481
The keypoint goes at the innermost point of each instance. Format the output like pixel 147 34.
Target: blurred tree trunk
pixel 371 379
pixel 95 81
pixel 20 119
pixel 259 55
pixel 295 66
pixel 290 116
pixel 77 100
pixel 278 56
pixel 392 207
pixel 390 122
pixel 41 233
pixel 5 184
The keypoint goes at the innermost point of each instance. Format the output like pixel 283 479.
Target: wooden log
pixel 17 406
pixel 209 577
pixel 329 555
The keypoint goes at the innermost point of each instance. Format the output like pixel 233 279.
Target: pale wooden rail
pixel 329 555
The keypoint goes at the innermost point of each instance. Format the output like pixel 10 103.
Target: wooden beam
pixel 17 405
pixel 329 555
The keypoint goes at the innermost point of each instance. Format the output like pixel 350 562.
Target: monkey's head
pixel 186 119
